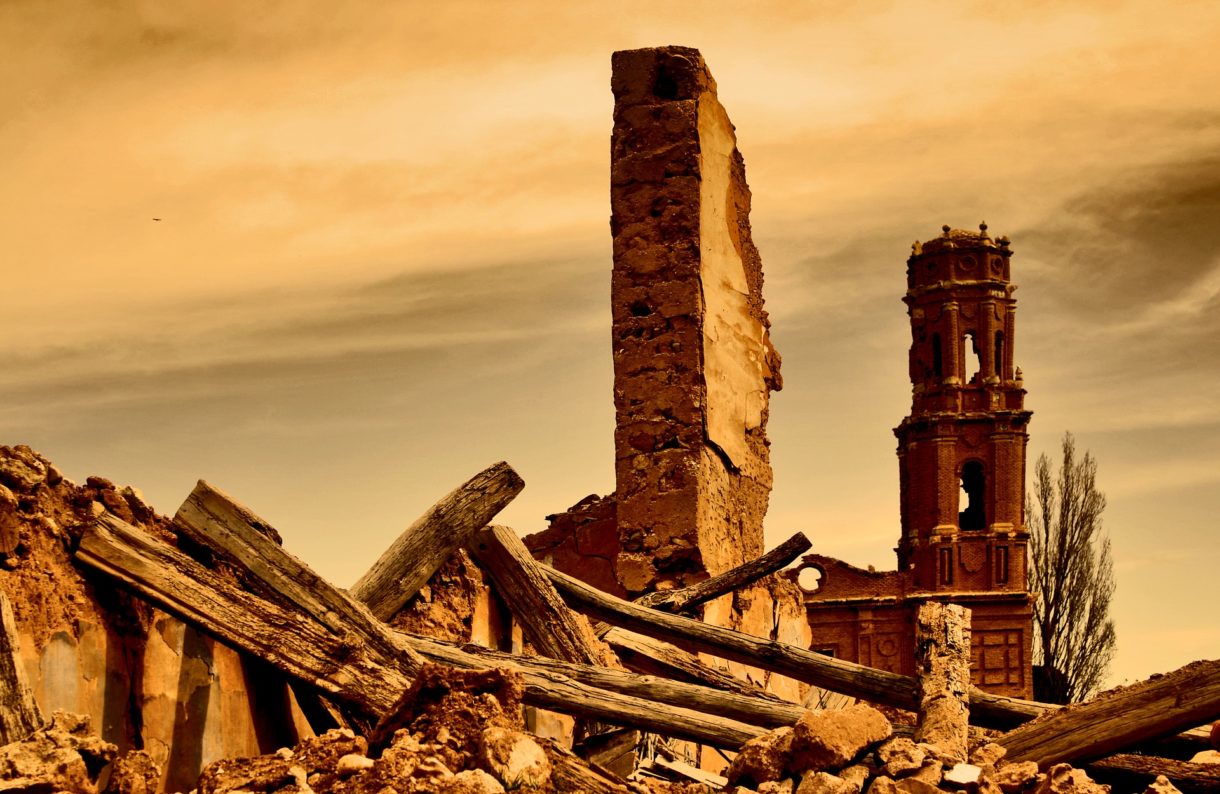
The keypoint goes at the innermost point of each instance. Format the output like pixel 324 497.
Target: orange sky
pixel 383 259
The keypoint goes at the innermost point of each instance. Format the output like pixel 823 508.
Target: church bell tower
pixel 961 452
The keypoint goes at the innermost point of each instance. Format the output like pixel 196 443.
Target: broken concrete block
pixel 759 760
pixel 513 758
pixel 962 776
pixel 826 783
pixel 900 756
pixel 1064 779
pixel 1014 777
pixel 987 755
pixel 827 740
pixel 1161 786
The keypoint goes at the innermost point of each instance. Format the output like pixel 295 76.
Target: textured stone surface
pixel 692 357
pixel 963 775
pixel 826 783
pixel 1063 779
pixel 1161 786
pixel 828 740
pixel 1015 777
pixel 900 756
pixel 63 756
pixel 762 759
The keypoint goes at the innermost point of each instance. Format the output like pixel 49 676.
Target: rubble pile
pixel 854 750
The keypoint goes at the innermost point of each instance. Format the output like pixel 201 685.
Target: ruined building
pixel 693 371
pixel 961 464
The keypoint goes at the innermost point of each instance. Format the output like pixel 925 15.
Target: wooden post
pixel 554 630
pixel 19 713
pixel 942 664
pixel 687 597
pixel 1159 706
pixel 410 561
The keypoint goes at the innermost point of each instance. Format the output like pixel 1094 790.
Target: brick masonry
pixel 961 461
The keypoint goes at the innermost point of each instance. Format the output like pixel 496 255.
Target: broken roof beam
pixel 233 533
pixel 731 580
pixel 553 629
pixel 754 709
pixel 423 547
pixel 1158 707
pixel 802 664
pixel 366 670
pixel 19 712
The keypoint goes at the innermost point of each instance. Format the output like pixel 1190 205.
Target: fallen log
pixel 650 656
pixel 942 662
pixel 1128 772
pixel 367 676
pixel 804 665
pixel 19 712
pixel 1160 706
pixel 685 598
pixel 752 709
pixel 552 628
pixel 423 547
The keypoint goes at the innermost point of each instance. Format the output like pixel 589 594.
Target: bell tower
pixel 961 452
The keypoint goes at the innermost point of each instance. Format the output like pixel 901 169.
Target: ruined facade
pixel 961 462
pixel 693 361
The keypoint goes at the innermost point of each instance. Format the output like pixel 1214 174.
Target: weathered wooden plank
pixel 1127 772
pixel 942 663
pixel 1160 706
pixel 410 561
pixel 649 656
pixel 752 709
pixel 19 712
pixel 687 597
pixel 552 628
pixel 799 663
pixel 365 676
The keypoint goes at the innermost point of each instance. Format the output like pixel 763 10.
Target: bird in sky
pixel 156 219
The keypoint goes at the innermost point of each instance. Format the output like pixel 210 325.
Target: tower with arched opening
pixel 961 463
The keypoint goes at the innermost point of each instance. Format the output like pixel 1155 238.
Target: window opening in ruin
pixel 938 365
pixel 665 87
pixel 974 482
pixel 1001 565
pixel 810 579
pixel 999 354
pixel 831 652
pixel 973 363
pixel 946 565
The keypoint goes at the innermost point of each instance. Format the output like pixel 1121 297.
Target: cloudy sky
pixel 383 256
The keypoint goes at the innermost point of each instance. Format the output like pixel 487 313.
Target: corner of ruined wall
pixel 693 361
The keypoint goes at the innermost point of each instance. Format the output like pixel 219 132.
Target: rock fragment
pixel 828 740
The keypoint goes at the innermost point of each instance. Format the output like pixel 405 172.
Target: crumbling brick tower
pixel 693 361
pixel 961 452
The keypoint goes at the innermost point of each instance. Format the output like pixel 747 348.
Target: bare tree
pixel 1071 578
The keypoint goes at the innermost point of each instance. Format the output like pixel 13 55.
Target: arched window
pixel 974 482
pixel 973 364
pixel 938 364
pixel 998 364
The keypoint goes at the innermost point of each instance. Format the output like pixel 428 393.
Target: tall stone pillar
pixel 693 361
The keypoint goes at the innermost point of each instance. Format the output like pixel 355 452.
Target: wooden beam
pixel 1129 772
pixel 688 597
pixel 19 712
pixel 1160 706
pixel 552 628
pixel 650 656
pixel 423 547
pixel 753 709
pixel 364 670
pixel 804 665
